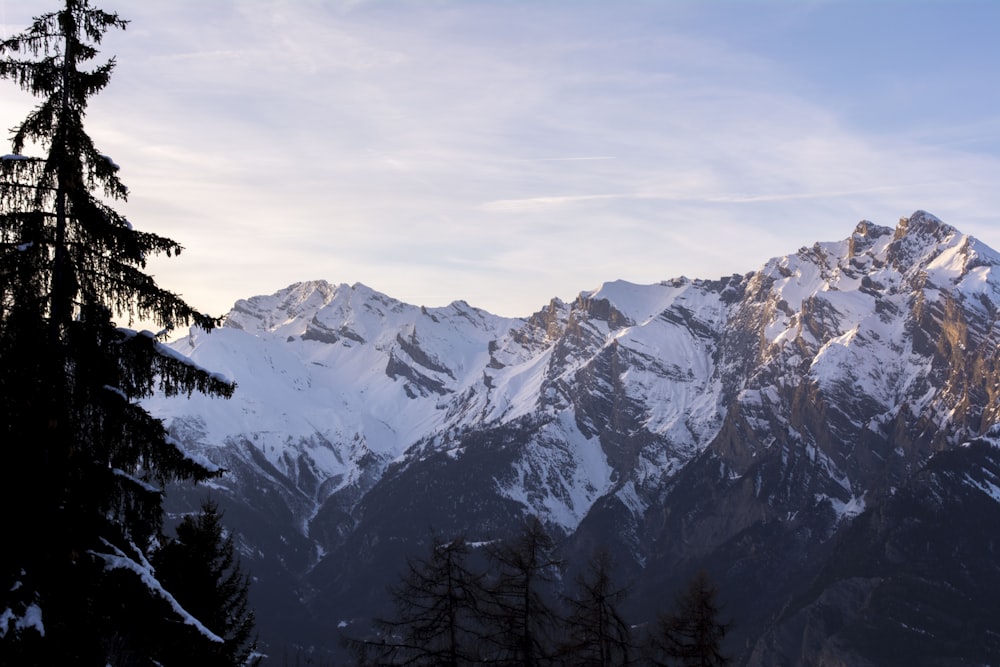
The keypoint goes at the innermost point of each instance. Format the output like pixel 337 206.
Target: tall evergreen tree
pixel 85 464
pixel 203 572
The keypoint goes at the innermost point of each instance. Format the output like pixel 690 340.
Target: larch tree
pixel 691 634
pixel 437 621
pixel 85 464
pixel 519 619
pixel 596 633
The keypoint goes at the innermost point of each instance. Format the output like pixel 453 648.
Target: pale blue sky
pixel 507 152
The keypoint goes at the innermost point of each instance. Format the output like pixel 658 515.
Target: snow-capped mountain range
pixel 764 426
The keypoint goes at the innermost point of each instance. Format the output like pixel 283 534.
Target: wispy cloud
pixel 575 159
pixel 539 203
pixel 507 152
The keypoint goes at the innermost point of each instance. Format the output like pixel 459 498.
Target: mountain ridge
pixel 682 422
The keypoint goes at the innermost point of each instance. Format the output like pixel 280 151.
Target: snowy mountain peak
pixel 923 224
pixel 925 248
pixel 284 309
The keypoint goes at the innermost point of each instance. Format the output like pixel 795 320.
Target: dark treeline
pixel 509 611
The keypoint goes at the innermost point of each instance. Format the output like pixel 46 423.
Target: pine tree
pixel 202 570
pixel 691 635
pixel 437 612
pixel 85 464
pixel 596 633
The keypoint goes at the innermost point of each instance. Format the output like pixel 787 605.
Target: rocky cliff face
pixel 771 427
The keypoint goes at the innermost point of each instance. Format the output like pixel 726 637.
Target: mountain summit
pixel 815 434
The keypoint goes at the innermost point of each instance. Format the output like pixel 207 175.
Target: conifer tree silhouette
pixel 85 463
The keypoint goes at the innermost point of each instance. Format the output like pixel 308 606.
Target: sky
pixel 505 152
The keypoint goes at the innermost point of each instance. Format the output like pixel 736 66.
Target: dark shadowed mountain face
pixel 816 435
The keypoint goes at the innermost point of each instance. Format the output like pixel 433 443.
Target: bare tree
pixel 520 621
pixel 437 619
pixel 691 635
pixel 596 633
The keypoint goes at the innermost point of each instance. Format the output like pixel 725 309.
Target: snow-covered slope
pixel 337 382
pixel 333 376
pixel 679 422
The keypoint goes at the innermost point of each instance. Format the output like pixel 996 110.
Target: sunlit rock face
pixel 775 428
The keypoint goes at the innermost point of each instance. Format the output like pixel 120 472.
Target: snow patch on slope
pixel 560 475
